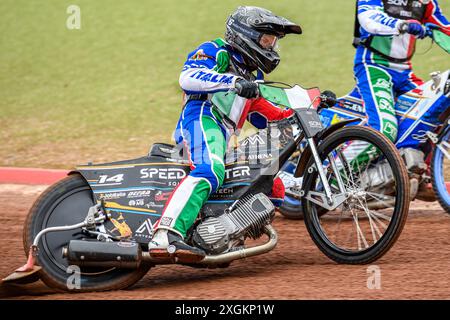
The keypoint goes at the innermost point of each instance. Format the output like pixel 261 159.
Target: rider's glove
pixel 415 28
pixel 246 89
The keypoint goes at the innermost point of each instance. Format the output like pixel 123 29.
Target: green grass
pixel 109 90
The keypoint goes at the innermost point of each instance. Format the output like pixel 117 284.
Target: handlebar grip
pixel 328 98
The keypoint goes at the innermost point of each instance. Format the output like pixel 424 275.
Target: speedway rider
pixel 385 35
pixel 219 65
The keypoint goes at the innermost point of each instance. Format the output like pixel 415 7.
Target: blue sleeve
pixel 374 20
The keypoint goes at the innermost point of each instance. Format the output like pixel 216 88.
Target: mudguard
pixel 306 154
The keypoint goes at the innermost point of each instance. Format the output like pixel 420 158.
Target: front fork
pixel 442 145
pixel 328 200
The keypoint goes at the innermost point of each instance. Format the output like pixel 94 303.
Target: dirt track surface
pixel 417 267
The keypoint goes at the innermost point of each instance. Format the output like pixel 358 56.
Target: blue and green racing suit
pixel 212 67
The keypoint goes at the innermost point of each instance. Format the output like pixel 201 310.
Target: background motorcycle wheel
pixel 291 208
pixel 65 203
pixel 317 224
pixel 439 162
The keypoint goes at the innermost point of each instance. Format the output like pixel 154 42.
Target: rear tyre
pixel 65 203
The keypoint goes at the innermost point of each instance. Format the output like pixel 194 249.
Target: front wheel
pixel 440 171
pixel 365 170
pixel 66 203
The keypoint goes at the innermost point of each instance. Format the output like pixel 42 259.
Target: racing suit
pixel 382 65
pixel 211 68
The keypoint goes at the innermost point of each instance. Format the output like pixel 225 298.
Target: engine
pixel 217 234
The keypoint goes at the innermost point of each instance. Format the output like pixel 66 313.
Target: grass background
pixel 109 90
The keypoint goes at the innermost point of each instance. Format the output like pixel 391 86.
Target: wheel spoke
pixel 359 233
pixel 379 197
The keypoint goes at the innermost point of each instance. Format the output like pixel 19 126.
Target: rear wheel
pixel 66 203
pixel 370 219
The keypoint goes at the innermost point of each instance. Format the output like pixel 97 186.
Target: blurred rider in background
pixel 385 37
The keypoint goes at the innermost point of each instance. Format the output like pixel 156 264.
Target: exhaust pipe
pixel 247 252
pixel 230 256
pixel 127 255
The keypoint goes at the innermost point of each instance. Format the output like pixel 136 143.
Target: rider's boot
pixel 166 244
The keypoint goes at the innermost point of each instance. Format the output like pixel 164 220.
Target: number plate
pixel 310 122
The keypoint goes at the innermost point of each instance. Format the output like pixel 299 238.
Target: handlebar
pixel 429 27
pixel 327 98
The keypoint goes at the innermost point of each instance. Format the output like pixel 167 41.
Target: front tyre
pixel 440 171
pixel 65 203
pixel 367 224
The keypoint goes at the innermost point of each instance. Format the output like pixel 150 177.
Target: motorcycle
pixel 99 219
pixel 423 116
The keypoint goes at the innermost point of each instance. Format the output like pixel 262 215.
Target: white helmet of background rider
pixel 254 32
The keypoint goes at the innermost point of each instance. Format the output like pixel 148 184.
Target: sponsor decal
pixel 112 195
pixel 126 244
pixel 136 202
pixel 167 150
pixel 139 194
pixel 380 18
pixel 354 106
pixel 405 13
pixel 106 179
pixel 383 94
pixel 212 77
pixel 145 230
pixel 121 226
pixel 336 119
pixel 385 104
pixel 165 221
pixel 236 172
pixel 398 2
pixel 163 173
pixel 262 156
pixel 200 55
pixel 225 191
pixel 152 204
pixel 256 139
pixel 390 130
pixel 315 124
pixel 382 84
pixel 162 196
pixel 421 136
